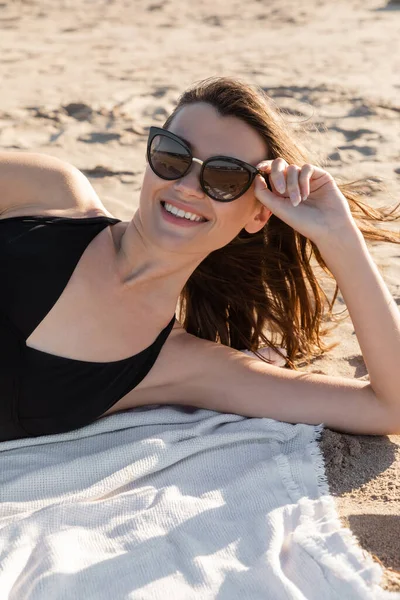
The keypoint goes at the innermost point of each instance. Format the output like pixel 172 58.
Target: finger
pixel 272 200
pixel 306 173
pixel 265 165
pixel 292 178
pixel 278 168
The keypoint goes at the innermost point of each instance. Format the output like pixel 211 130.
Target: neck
pixel 143 267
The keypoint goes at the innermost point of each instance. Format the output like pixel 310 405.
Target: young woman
pixel 231 213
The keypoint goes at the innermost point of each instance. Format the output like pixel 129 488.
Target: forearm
pixel 373 311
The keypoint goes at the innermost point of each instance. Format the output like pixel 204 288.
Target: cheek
pixel 231 218
pixel 152 185
pixel 238 211
pixel 250 198
pixel 150 180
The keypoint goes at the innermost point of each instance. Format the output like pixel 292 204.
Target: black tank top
pixel 41 393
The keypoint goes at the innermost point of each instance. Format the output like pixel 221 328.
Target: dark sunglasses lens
pixel 168 158
pixel 224 180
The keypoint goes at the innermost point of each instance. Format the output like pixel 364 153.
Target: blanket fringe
pixel 375 571
pixel 318 460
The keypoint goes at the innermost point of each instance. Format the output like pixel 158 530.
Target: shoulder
pixel 34 184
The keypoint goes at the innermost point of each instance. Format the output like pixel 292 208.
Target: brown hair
pixel 265 280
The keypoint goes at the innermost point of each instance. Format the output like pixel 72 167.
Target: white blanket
pixel 168 502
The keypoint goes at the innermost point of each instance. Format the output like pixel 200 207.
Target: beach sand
pixel 83 79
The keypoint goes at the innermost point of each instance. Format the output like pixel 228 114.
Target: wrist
pixel 343 253
pixel 342 241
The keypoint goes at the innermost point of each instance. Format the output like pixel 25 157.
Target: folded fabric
pixel 177 503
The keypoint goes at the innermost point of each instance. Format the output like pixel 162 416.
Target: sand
pixel 83 79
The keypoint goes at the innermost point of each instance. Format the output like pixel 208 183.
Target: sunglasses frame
pixel 253 171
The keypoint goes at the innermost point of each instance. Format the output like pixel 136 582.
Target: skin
pixel 165 257
pixel 154 254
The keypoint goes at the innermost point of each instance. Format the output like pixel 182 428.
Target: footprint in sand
pixel 160 91
pixel 154 7
pixel 99 137
pixel 159 113
pixel 78 110
pixel 350 150
pixel 351 134
pixel 102 171
pixel 213 20
pixel 363 110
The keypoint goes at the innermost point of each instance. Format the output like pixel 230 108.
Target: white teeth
pixel 181 213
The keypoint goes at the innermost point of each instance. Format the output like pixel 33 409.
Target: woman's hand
pixel 307 199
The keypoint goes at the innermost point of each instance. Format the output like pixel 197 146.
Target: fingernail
pixel 281 186
pixel 295 198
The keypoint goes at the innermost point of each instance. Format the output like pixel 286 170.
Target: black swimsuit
pixel 41 393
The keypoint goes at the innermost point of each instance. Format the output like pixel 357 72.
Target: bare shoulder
pixel 34 184
pixel 201 373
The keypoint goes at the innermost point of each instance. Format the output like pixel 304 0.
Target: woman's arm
pixel 40 182
pixel 373 311
pixel 207 375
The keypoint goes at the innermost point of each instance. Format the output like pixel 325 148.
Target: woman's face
pixel 209 134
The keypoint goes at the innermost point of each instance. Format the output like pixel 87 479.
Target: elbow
pixel 386 413
pixel 391 425
pixel 395 429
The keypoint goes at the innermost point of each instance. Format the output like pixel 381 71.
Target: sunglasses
pixel 222 178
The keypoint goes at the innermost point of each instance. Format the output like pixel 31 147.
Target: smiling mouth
pixel 203 219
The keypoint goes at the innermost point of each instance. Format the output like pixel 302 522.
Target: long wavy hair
pixel 260 289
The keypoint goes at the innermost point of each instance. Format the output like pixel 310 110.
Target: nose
pixel 189 185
